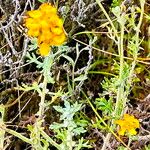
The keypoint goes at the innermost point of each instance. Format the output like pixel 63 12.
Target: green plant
pixel 2 131
pixel 106 106
pixel 68 129
pixel 147 147
pixel 73 96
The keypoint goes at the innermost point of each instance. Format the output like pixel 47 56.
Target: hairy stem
pixel 120 92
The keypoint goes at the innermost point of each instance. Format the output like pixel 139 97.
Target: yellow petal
pixel 56 21
pixel 35 14
pixel 121 132
pixel 58 40
pixel 44 24
pixel 45 36
pixel 119 122
pixel 48 9
pixel 127 116
pixel 33 32
pixel 29 22
pixel 44 49
pixel 136 123
pixel 57 30
pixel 132 131
pixel 59 22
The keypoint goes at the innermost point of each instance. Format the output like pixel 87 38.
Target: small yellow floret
pixel 35 14
pixel 48 9
pixel 33 32
pixel 128 124
pixel 57 30
pixel 45 24
pixel 58 40
pixel 44 49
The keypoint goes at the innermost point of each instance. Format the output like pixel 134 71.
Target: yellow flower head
pixel 46 25
pixel 128 124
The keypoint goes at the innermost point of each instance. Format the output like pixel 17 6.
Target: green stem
pixel 69 144
pixel 101 72
pixel 107 16
pixel 42 103
pixel 135 54
pixel 23 138
pixel 120 92
pixel 50 140
pixel 35 133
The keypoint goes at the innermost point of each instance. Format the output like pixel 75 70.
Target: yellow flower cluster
pixel 128 124
pixel 45 24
